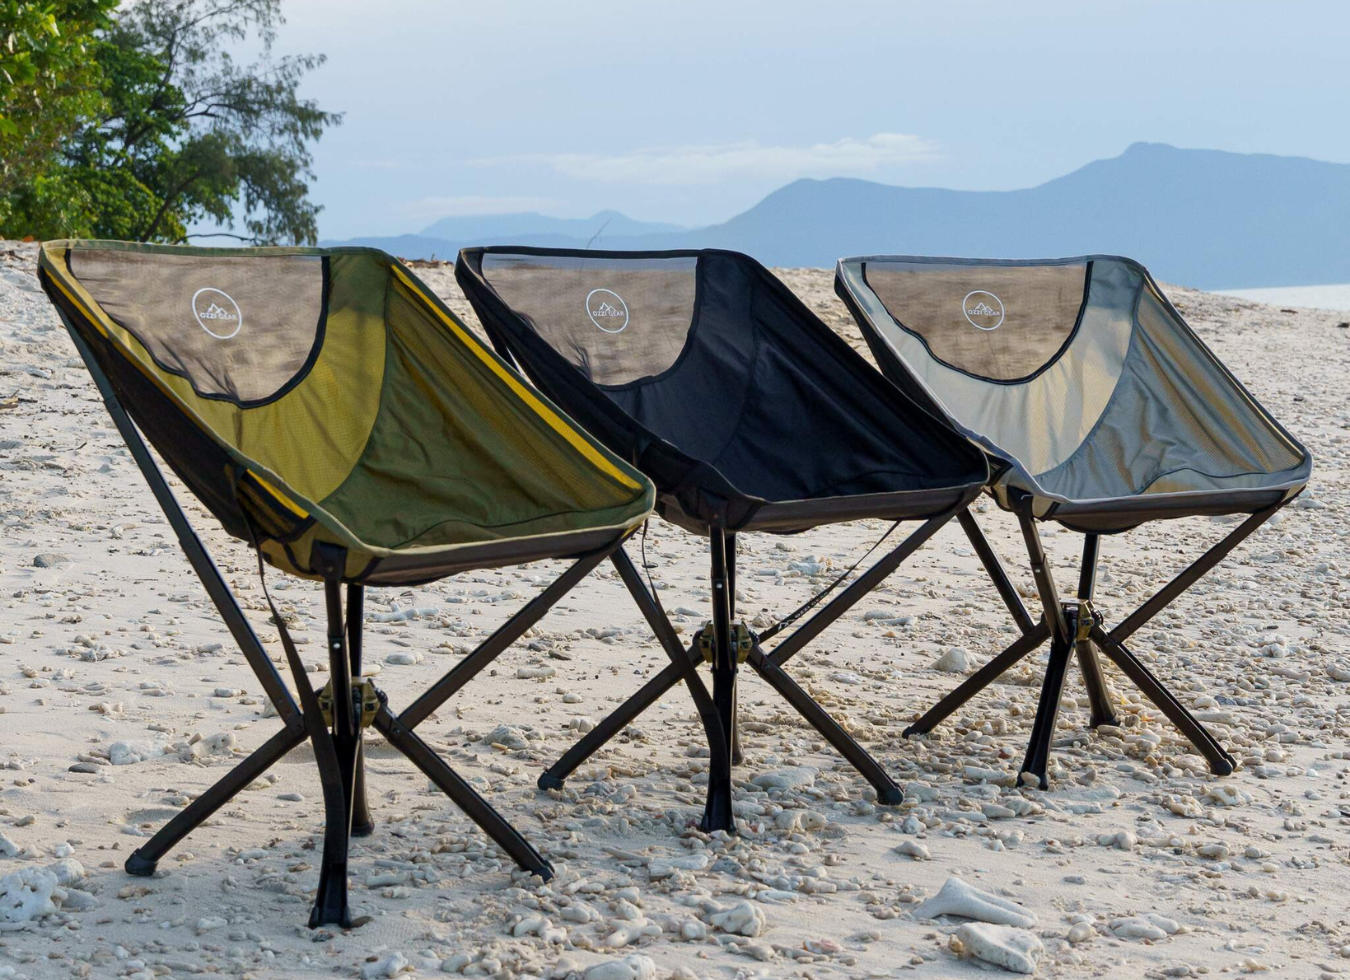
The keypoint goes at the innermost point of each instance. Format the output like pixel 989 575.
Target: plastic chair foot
pixel 549 781
pixel 140 866
pixel 891 796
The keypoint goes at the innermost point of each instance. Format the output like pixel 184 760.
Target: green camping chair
pixel 327 408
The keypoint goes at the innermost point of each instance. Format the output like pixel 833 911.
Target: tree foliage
pixel 185 134
pixel 49 82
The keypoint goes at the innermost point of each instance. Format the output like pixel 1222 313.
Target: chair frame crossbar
pixel 1075 629
pixel 337 746
pixel 722 727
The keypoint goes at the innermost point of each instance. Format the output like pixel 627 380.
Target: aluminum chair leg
pixel 1047 710
pixel 888 793
pixel 145 859
pixel 982 678
pixel 362 825
pixel 1094 680
pixel 330 901
pixel 1221 763
pixel 717 813
pixel 453 785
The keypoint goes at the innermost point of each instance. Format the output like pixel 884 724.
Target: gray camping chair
pixel 1101 410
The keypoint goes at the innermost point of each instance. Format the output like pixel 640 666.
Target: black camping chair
pixel 329 410
pixel 1100 409
pixel 749 414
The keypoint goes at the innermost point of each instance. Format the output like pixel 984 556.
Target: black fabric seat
pixel 748 414
pixel 728 421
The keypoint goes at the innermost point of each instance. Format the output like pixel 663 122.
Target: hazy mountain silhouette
pixel 446 237
pixel 603 223
pixel 1204 218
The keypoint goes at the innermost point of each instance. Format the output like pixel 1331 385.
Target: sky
pixel 690 112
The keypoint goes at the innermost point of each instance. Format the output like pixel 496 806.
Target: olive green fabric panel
pixel 310 437
pixel 313 435
pixel 464 459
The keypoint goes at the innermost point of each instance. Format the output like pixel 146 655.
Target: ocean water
pixel 1333 297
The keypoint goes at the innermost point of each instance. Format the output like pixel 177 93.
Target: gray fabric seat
pixel 1106 411
pixel 1083 378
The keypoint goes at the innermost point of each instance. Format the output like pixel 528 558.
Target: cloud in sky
pixel 474 204
pixel 713 162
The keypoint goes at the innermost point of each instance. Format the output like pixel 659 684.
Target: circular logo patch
pixel 983 309
pixel 216 312
pixel 607 310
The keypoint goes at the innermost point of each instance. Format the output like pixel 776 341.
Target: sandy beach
pixel 121 697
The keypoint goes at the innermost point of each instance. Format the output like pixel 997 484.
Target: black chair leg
pixel 1043 730
pixel 330 902
pixel 477 809
pixel 979 680
pixel 330 899
pixel 888 793
pixel 717 813
pixel 737 756
pixel 146 858
pixel 362 824
pixel 1221 763
pixel 611 725
pixel 1094 680
pixel 1099 695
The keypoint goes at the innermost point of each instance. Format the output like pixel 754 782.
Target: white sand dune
pixel 1135 864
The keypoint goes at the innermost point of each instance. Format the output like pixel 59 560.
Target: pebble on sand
pixel 963 900
pixel 1015 950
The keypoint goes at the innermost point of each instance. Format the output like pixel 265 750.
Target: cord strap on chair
pixel 765 635
pixel 325 751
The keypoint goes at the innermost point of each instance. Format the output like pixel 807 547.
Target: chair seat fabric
pixel 1082 378
pixel 326 395
pixel 707 373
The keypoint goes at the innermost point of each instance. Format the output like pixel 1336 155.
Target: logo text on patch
pixel 607 310
pixel 983 309
pixel 216 312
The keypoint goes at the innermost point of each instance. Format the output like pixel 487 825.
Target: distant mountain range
pixel 1205 218
pixel 446 237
